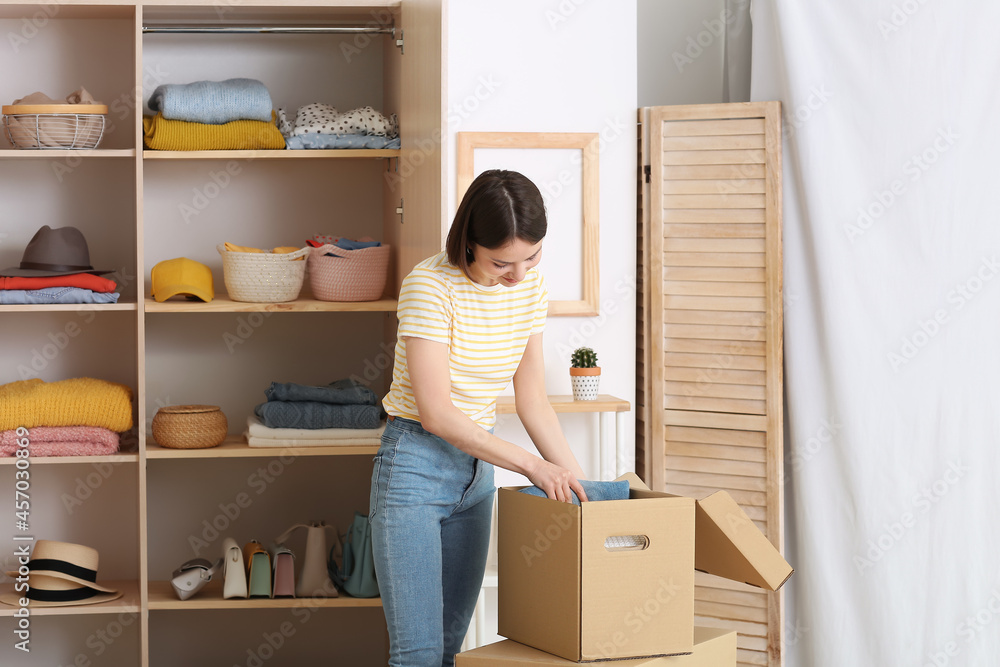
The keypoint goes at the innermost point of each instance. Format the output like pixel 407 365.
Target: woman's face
pixel 505 266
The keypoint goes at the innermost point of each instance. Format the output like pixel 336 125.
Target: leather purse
pixel 314 581
pixel 283 572
pixel 234 575
pixel 258 563
pixel 192 576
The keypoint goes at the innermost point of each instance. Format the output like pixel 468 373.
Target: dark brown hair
pixel 498 207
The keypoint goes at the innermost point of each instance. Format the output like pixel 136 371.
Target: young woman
pixel 470 321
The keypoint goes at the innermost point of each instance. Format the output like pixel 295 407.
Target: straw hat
pixel 61 574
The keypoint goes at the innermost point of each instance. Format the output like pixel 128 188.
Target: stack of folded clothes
pixel 296 414
pixel 235 114
pixel 319 240
pixel 75 417
pixel 71 288
pixel 322 126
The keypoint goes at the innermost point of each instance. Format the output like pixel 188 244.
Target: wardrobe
pixel 148 509
pixel 709 332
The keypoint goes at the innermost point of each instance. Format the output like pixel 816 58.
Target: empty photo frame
pixel 564 166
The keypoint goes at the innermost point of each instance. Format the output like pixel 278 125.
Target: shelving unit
pixel 147 511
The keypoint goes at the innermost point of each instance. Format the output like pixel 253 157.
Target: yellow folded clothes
pixel 178 135
pixel 74 402
pixel 280 250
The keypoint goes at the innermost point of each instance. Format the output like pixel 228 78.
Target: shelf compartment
pixel 127 603
pixel 71 460
pixel 236 447
pixel 328 154
pixel 162 597
pixel 223 304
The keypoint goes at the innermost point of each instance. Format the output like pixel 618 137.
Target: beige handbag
pixel 234 578
pixel 314 579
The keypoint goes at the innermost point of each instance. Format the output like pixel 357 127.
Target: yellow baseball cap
pixel 182 276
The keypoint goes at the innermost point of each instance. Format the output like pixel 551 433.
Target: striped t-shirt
pixel 485 328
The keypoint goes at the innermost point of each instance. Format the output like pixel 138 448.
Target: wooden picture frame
pixel 588 144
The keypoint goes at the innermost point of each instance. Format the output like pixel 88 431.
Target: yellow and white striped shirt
pixel 485 328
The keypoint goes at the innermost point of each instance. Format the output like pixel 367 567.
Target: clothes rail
pixel 344 30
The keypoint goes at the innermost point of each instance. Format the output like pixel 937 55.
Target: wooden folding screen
pixel 710 332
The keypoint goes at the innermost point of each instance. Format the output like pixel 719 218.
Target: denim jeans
pixel 430 512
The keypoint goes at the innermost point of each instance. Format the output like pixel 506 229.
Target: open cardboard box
pixel 713 647
pixel 565 588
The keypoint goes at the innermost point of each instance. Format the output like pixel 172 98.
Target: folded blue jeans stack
pixel 342 404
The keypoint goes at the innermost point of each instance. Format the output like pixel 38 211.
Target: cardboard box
pixel 563 591
pixel 713 647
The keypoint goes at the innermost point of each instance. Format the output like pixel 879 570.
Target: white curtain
pixel 892 326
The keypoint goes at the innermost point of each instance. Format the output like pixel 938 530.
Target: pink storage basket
pixel 353 275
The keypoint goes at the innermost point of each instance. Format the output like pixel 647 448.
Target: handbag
pixel 258 563
pixel 192 576
pixel 234 576
pixel 314 582
pixel 283 571
pixel 357 575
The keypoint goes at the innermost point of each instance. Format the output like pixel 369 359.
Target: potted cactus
pixel 585 374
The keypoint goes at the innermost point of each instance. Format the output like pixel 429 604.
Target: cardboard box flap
pixel 729 544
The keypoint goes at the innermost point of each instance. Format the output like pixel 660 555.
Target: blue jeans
pixel 430 512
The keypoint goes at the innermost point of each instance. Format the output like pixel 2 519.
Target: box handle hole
pixel 626 543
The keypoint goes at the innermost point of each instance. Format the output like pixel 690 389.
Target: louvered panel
pixel 714 245
pixel 722 452
pixel 755 598
pixel 714 171
pixel 714 273
pixel 715 465
pixel 731 612
pixel 704 288
pixel 740 362
pixel 712 436
pixel 751 643
pixel 731 405
pixel 705 580
pixel 710 389
pixel 727 348
pixel 716 481
pixel 753 304
pixel 733 318
pixel 750 658
pixel 713 143
pixel 741 627
pixel 714 200
pixel 714 332
pixel 718 374
pixel 756 513
pixel 713 127
pixel 700 230
pixel 675 158
pixel 715 420
pixel 743 498
pixel 715 186
pixel 720 259
pixel 728 215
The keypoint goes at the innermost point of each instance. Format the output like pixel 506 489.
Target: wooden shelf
pixel 67 307
pixel 223 304
pixel 24 154
pixel 284 154
pixel 162 597
pixel 127 603
pixel 604 403
pixel 235 446
pixel 68 460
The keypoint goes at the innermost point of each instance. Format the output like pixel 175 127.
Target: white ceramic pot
pixel 585 383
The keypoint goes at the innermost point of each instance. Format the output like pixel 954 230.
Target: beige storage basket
pixel 190 426
pixel 353 275
pixel 263 277
pixel 54 126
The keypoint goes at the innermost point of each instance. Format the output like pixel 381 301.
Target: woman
pixel 470 321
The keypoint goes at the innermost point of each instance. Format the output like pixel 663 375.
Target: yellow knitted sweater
pixel 178 135
pixel 73 402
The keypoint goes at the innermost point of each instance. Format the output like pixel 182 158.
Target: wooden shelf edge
pixel 235 446
pixel 28 153
pixel 163 598
pixel 566 404
pixel 68 307
pixel 127 603
pixel 283 154
pixel 223 304
pixel 68 460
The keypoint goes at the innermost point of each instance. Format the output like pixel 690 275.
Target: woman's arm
pixel 430 376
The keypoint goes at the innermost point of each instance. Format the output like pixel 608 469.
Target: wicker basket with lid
pixel 190 426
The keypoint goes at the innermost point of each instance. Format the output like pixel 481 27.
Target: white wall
pixel 569 66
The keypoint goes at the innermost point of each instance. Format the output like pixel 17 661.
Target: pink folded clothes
pixel 62 441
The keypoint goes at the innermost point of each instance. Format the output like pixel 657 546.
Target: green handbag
pixel 356 576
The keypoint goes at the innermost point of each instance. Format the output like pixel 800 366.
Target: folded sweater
pixel 594 490
pixel 81 280
pixel 214 102
pixel 310 414
pixel 177 135
pixel 74 402
pixel 62 441
pixel 341 392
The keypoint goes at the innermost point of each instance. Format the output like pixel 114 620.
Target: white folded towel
pixel 269 437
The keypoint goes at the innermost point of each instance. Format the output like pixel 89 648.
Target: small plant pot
pixel 585 383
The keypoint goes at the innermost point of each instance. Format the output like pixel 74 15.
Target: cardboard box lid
pixel 729 544
pixel 714 647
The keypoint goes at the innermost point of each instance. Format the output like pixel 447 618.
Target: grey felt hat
pixel 54 252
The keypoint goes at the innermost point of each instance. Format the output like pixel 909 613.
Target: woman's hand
pixel 556 482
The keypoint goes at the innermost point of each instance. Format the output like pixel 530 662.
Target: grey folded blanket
pixel 311 414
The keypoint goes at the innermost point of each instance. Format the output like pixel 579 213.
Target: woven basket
pixel 353 275
pixel 263 277
pixel 190 426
